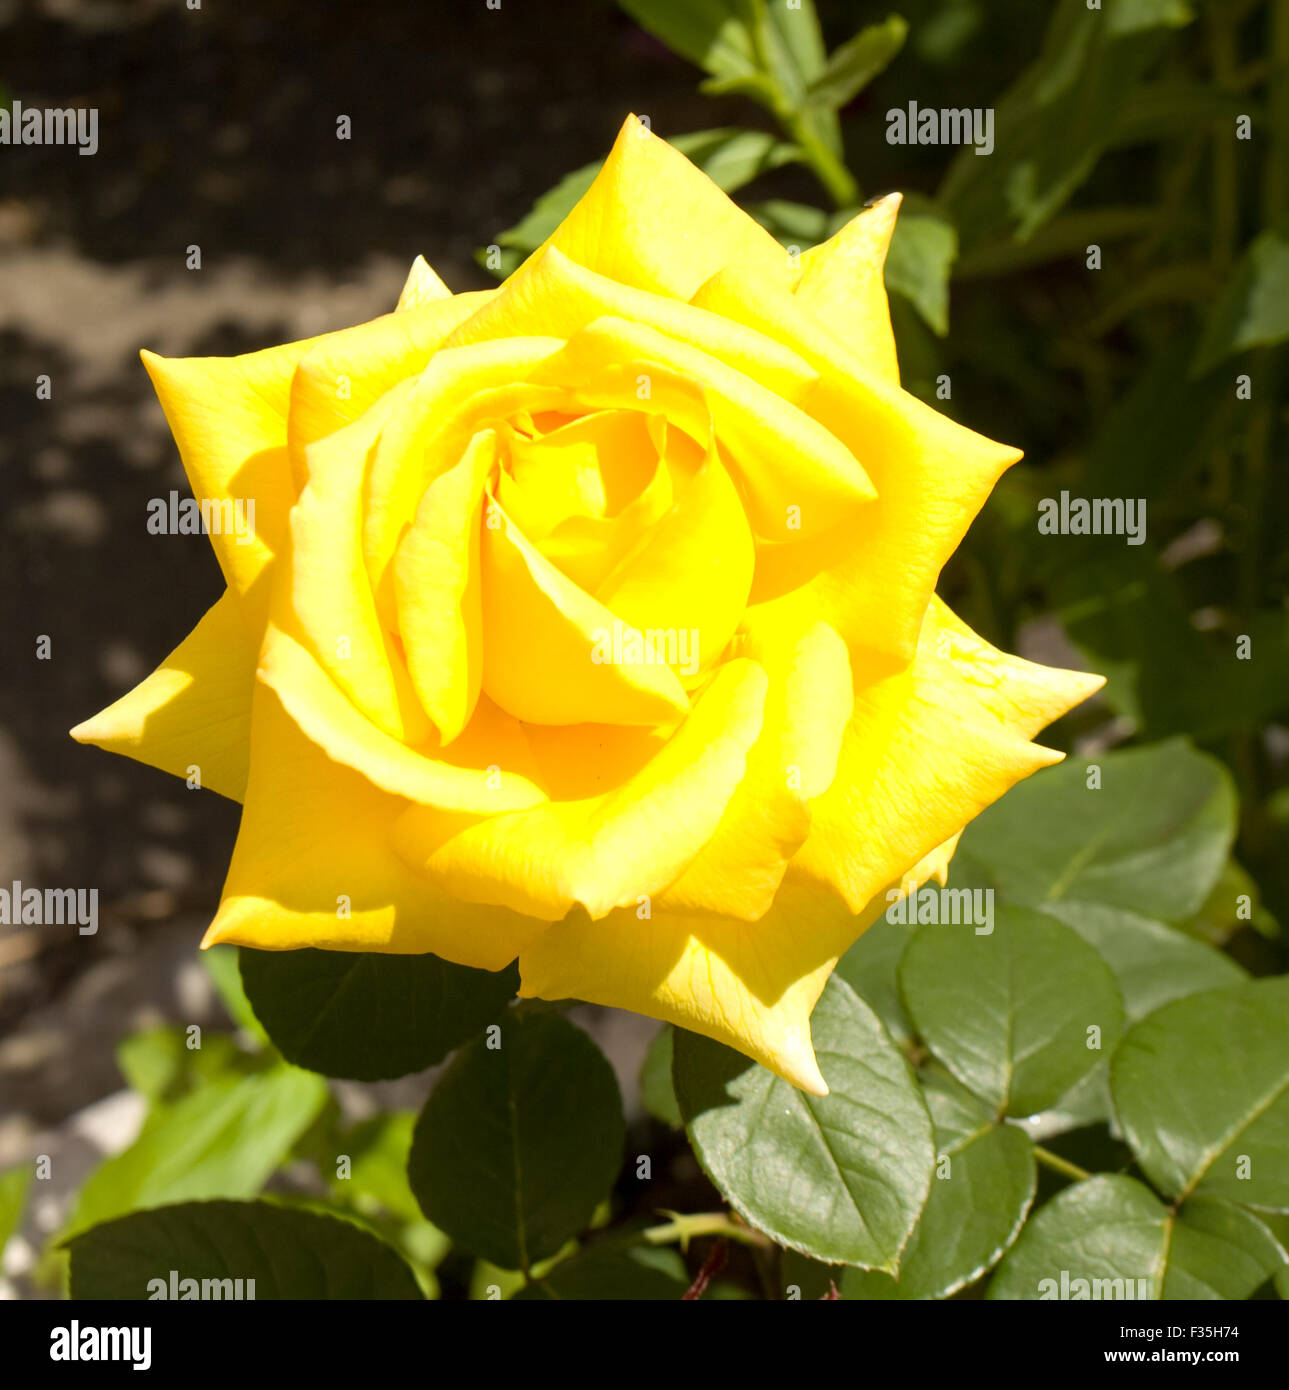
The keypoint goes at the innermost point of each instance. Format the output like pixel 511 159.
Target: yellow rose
pixel 591 620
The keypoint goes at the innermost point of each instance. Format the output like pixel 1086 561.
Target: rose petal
pixel 750 985
pixel 326 585
pixel 541 639
pixel 738 872
pixel 436 579
pixel 313 865
pixel 926 750
pixel 342 374
pixel 195 708
pixel 606 851
pixel 797 477
pixel 705 533
pixel 872 577
pixel 653 220
pixel 228 417
pixel 553 295
pixel 842 285
pixel 587 547
pixel 460 392
pixel 327 718
pixel 421 287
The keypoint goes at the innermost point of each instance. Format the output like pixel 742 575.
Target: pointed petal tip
pixel 1074 687
pixel 795 1061
pixel 213 936
pixel 157 368
pixel 813 1084
pixel 883 211
pixel 228 926
pixel 99 731
pixel 225 932
pixel 632 125
pixel 423 286
pixel 868 234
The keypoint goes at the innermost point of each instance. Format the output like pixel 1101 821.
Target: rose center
pixel 587 489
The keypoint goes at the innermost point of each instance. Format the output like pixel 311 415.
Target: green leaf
pixel 1279 1227
pixel 159 1064
pixel 368 1016
pixel 1160 431
pixel 1158 111
pixel 221 964
pixel 768 50
pixel 1153 963
pixel 869 968
pixel 378 1150
pixel 857 62
pixel 1133 618
pixel 1253 309
pixel 289 1253
pixel 13 1200
pixel 1134 16
pixel 1064 237
pixel 1112 1231
pixel 1054 123
pixel 612 1271
pixel 841 1177
pixel 517 1145
pixel 798 225
pixel 984 1184
pixel 656 1091
pixel 985 1005
pixel 713 34
pixel 790 49
pixel 152 1060
pixel 923 248
pixel 732 158
pixel 791 54
pixel 224 1140
pixel 549 210
pixel 1223 914
pixel 1201 1089
pixel 1151 839
pixel 801 55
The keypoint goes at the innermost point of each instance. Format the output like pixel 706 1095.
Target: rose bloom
pixel 592 621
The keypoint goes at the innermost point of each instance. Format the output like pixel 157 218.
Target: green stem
pixel 682 1229
pixel 1257 454
pixel 832 173
pixel 829 168
pixel 1060 1165
pixel 1275 178
pixel 1226 194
